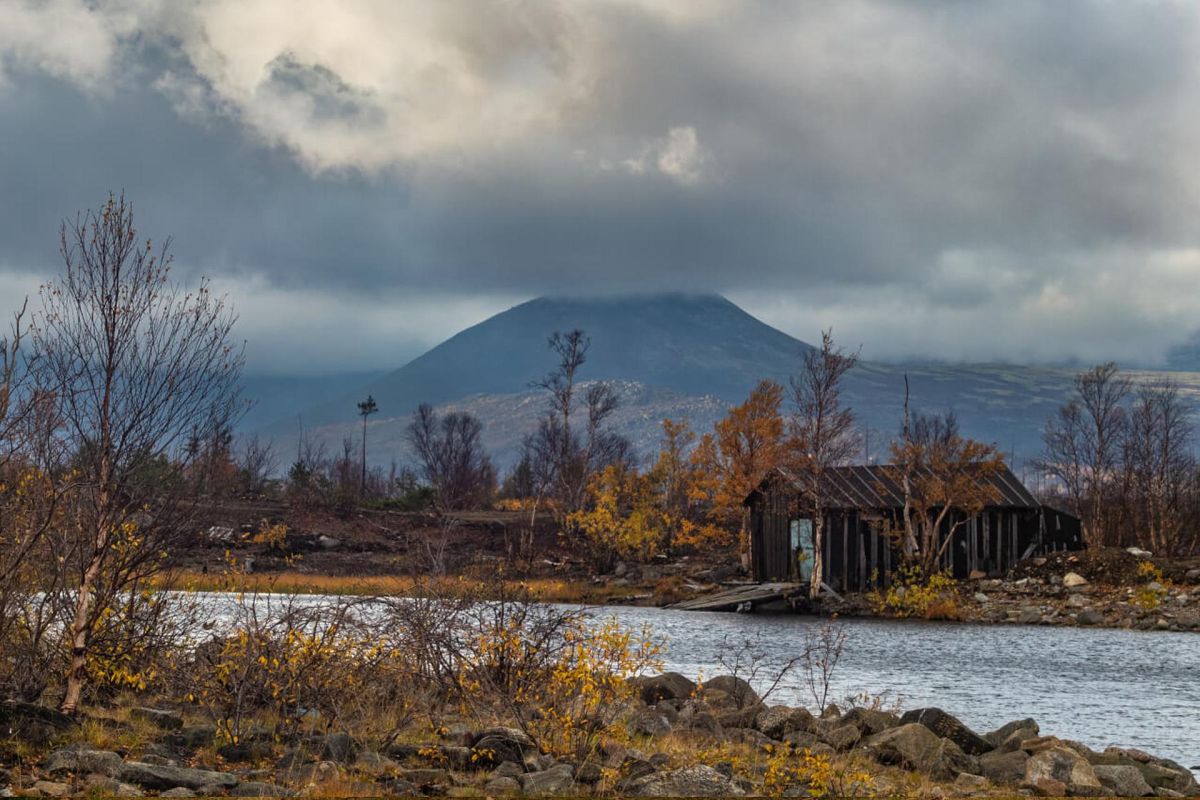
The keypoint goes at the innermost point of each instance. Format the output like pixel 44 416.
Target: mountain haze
pixel 673 355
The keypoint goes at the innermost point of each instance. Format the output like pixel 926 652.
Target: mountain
pixel 672 355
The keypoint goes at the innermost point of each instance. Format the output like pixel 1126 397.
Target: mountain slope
pixel 675 355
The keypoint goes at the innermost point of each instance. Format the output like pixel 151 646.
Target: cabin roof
pixel 874 486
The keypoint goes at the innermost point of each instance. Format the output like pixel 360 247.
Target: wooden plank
pixel 731 599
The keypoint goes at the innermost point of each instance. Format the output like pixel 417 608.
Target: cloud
pixel 974 181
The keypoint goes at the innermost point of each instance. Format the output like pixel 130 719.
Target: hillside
pixel 674 355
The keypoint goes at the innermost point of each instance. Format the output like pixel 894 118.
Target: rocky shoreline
pixel 684 739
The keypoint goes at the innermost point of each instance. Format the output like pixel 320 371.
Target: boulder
pixel 178 791
pixel 915 746
pixel 1028 727
pixel 1123 780
pixel 778 721
pixel 104 786
pixel 81 761
pixel 558 779
pixel 650 723
pixel 741 694
pixel 839 736
pixel 695 781
pixel 164 719
pixel 740 717
pixel 949 727
pixel 1165 774
pixel 870 721
pixel 1058 771
pixel 502 786
pixel 667 686
pixel 1005 768
pixel 157 776
pixel 50 789
pixel 32 724
pixel 1073 580
pixel 497 745
pixel 969 784
pixel 337 747
pixel 1089 617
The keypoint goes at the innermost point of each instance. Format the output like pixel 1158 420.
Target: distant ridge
pixel 675 354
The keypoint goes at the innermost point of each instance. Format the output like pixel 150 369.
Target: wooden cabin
pixel 864 504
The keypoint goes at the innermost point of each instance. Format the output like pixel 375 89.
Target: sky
pixel 1007 180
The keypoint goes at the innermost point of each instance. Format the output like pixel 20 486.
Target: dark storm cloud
pixel 898 170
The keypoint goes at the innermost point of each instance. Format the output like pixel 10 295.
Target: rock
pixel 588 772
pixel 81 761
pixel 650 723
pixel 250 750
pixel 801 740
pixel 620 569
pixel 740 692
pixel 999 736
pixel 51 789
pixel 502 786
pixel 1056 771
pixel 841 737
pixel 949 727
pixel 976 575
pixel 831 711
pixel 980 597
pixel 1006 768
pixel 749 736
pixel 695 781
pixel 496 745
pixel 667 686
pixel 740 718
pixel 966 782
pixel 1073 580
pixel 426 777
pixel 32 724
pixel 1192 574
pixel 1139 552
pixel 191 737
pixel 1090 617
pixel 178 791
pixel 1078 601
pixel 778 721
pixel 460 757
pixel 1123 780
pixel 337 747
pixel 160 718
pixel 1029 615
pixel 1164 774
pixel 870 721
pixel 259 789
pixel 155 776
pixel 328 542
pixel 915 746
pixel 558 779
pixel 111 787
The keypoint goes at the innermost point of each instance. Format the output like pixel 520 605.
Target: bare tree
pixel 569 456
pixel 256 464
pixel 1082 444
pixel 453 461
pixel 1159 465
pixel 822 434
pixel 135 365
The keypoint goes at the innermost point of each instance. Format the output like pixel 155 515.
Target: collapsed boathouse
pixel 864 506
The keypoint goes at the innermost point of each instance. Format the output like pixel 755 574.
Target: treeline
pixel 1121 456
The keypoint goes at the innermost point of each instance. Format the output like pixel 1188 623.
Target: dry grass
pixel 549 590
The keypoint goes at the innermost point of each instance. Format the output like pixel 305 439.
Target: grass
pixel 550 590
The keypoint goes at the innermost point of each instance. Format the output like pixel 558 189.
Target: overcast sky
pixel 961 180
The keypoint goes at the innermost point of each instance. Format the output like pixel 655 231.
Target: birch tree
pixel 136 365
pixel 823 435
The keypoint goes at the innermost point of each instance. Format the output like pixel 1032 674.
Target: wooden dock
pixel 745 597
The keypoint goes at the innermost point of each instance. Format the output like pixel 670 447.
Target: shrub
pixel 912 594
